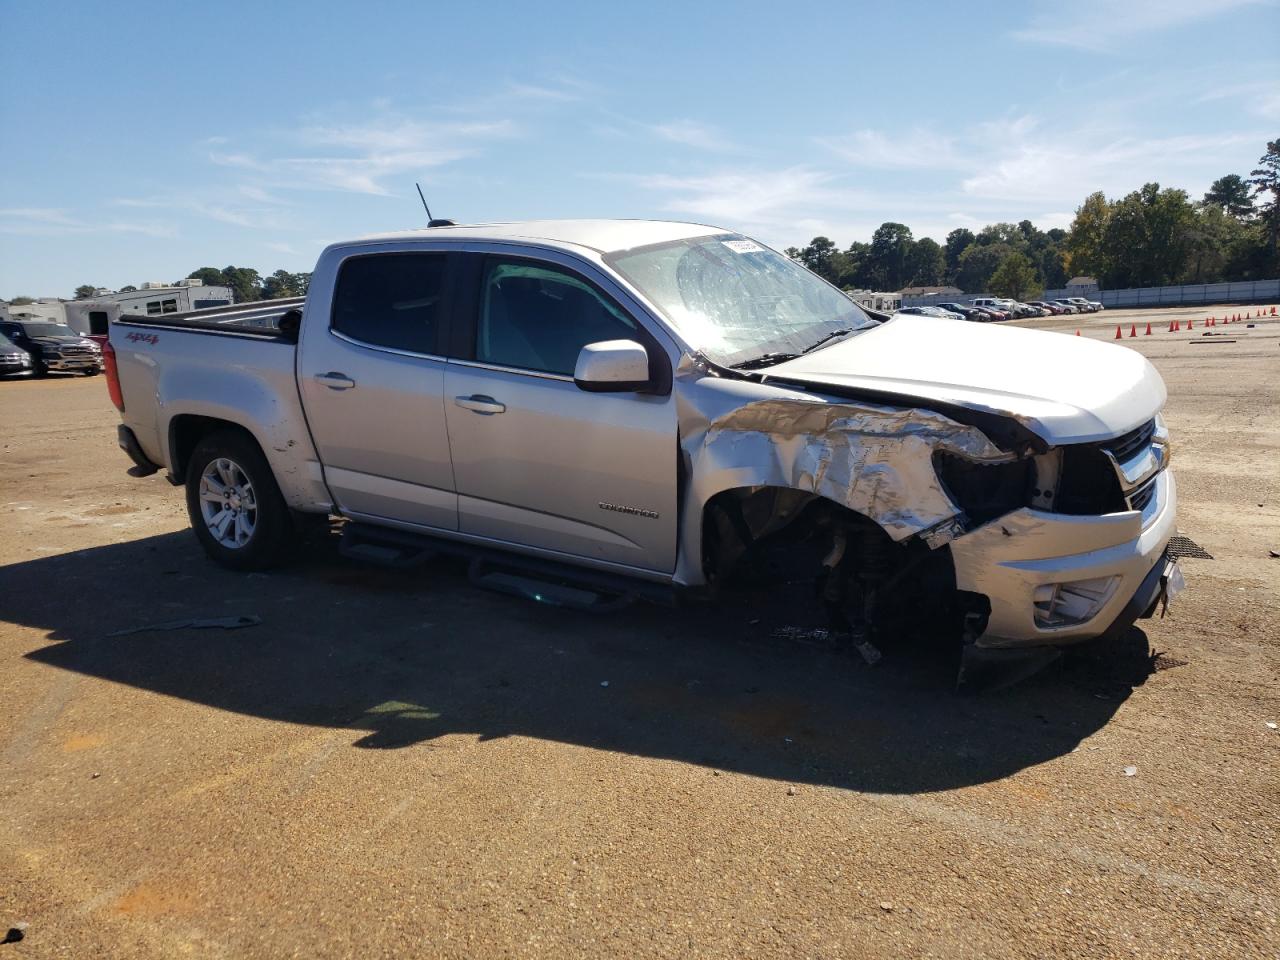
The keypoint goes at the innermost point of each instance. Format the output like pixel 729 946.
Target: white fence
pixel 1187 295
pixel 1244 291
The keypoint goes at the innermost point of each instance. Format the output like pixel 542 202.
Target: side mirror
pixel 612 366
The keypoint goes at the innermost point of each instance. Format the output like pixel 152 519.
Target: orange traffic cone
pixel 1148 333
pixel 1077 333
pixel 1212 322
pixel 1177 326
pixel 1119 335
pixel 1191 323
pixel 1133 329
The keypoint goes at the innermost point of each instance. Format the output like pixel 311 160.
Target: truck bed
pixel 231 364
pixel 262 317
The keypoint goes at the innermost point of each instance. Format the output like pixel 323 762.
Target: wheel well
pixel 185 433
pixel 764 540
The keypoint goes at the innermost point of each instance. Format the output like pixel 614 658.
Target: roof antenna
pixel 431 221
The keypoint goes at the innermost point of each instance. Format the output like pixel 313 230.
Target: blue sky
pixel 145 140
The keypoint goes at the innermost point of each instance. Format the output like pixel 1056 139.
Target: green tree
pixel 302 282
pixel 128 288
pixel 21 301
pixel 822 257
pixel 1230 194
pixel 1006 233
pixel 85 291
pixel 280 284
pixel 1147 238
pixel 1266 187
pixel 1015 277
pixel 211 276
pixel 926 264
pixel 958 240
pixel 887 258
pixel 245 283
pixel 1053 266
pixel 1084 242
pixel 977 264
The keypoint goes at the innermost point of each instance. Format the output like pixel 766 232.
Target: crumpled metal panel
pixel 877 461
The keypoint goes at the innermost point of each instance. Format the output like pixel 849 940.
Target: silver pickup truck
pixel 654 407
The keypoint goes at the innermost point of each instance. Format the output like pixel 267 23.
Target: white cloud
pixel 691 133
pixel 1261 98
pixel 361 157
pixel 51 222
pixel 1103 25
pixel 221 206
pixel 915 149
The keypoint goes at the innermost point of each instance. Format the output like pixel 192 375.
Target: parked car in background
pixel 1089 306
pixel 989 307
pixel 1068 307
pixel 1011 308
pixel 1050 309
pixel 968 312
pixel 935 311
pixel 54 347
pixel 14 361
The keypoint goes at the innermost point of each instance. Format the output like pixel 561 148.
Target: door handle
pixel 335 381
pixel 479 403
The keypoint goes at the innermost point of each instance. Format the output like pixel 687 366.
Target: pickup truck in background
pixel 650 408
pixel 53 347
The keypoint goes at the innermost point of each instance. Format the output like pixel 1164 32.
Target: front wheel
pixel 235 506
pixel 92 372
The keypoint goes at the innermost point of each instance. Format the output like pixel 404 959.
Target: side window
pixel 538 317
pixel 98 323
pixel 153 308
pixel 169 306
pixel 391 300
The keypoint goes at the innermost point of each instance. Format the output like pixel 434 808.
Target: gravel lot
pixel 398 765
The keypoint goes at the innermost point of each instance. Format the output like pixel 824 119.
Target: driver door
pixel 538 461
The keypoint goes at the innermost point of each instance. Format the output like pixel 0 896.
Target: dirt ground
pixel 397 765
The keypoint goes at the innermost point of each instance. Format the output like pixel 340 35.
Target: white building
pixel 91 316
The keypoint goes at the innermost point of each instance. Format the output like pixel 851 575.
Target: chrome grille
pixel 1126 446
pixel 1139 499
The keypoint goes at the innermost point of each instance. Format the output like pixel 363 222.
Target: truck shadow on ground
pixel 402 658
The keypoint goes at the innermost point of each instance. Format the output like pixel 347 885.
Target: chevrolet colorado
pixel 658 407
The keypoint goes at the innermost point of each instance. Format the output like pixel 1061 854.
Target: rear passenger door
pixel 371 376
pixel 538 461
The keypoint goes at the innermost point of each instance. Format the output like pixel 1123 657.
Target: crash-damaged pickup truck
pixel 648 407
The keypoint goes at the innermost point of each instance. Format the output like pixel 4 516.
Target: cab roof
pixel 602 236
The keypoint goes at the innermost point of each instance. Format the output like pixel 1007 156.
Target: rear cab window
pixel 392 300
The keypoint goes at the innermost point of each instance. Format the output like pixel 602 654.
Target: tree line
pixel 246 284
pixel 1150 237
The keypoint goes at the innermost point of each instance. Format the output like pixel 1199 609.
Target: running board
pixel 544 581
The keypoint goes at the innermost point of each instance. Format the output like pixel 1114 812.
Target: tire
pixel 92 373
pixel 259 531
pixel 38 369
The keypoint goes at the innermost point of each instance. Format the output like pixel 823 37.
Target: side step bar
pixel 543 581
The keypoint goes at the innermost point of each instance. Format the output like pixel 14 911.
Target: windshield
pixel 736 301
pixel 5 342
pixel 48 330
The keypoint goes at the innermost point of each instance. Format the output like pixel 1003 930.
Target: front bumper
pixel 1008 559
pixel 71 363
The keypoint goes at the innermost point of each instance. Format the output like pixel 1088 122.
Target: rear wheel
pixel 235 506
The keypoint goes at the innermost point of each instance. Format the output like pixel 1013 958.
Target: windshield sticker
pixel 743 246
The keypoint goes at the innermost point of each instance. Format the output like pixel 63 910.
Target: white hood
pixel 1064 388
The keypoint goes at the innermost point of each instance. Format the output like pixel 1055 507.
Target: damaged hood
pixel 1065 389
